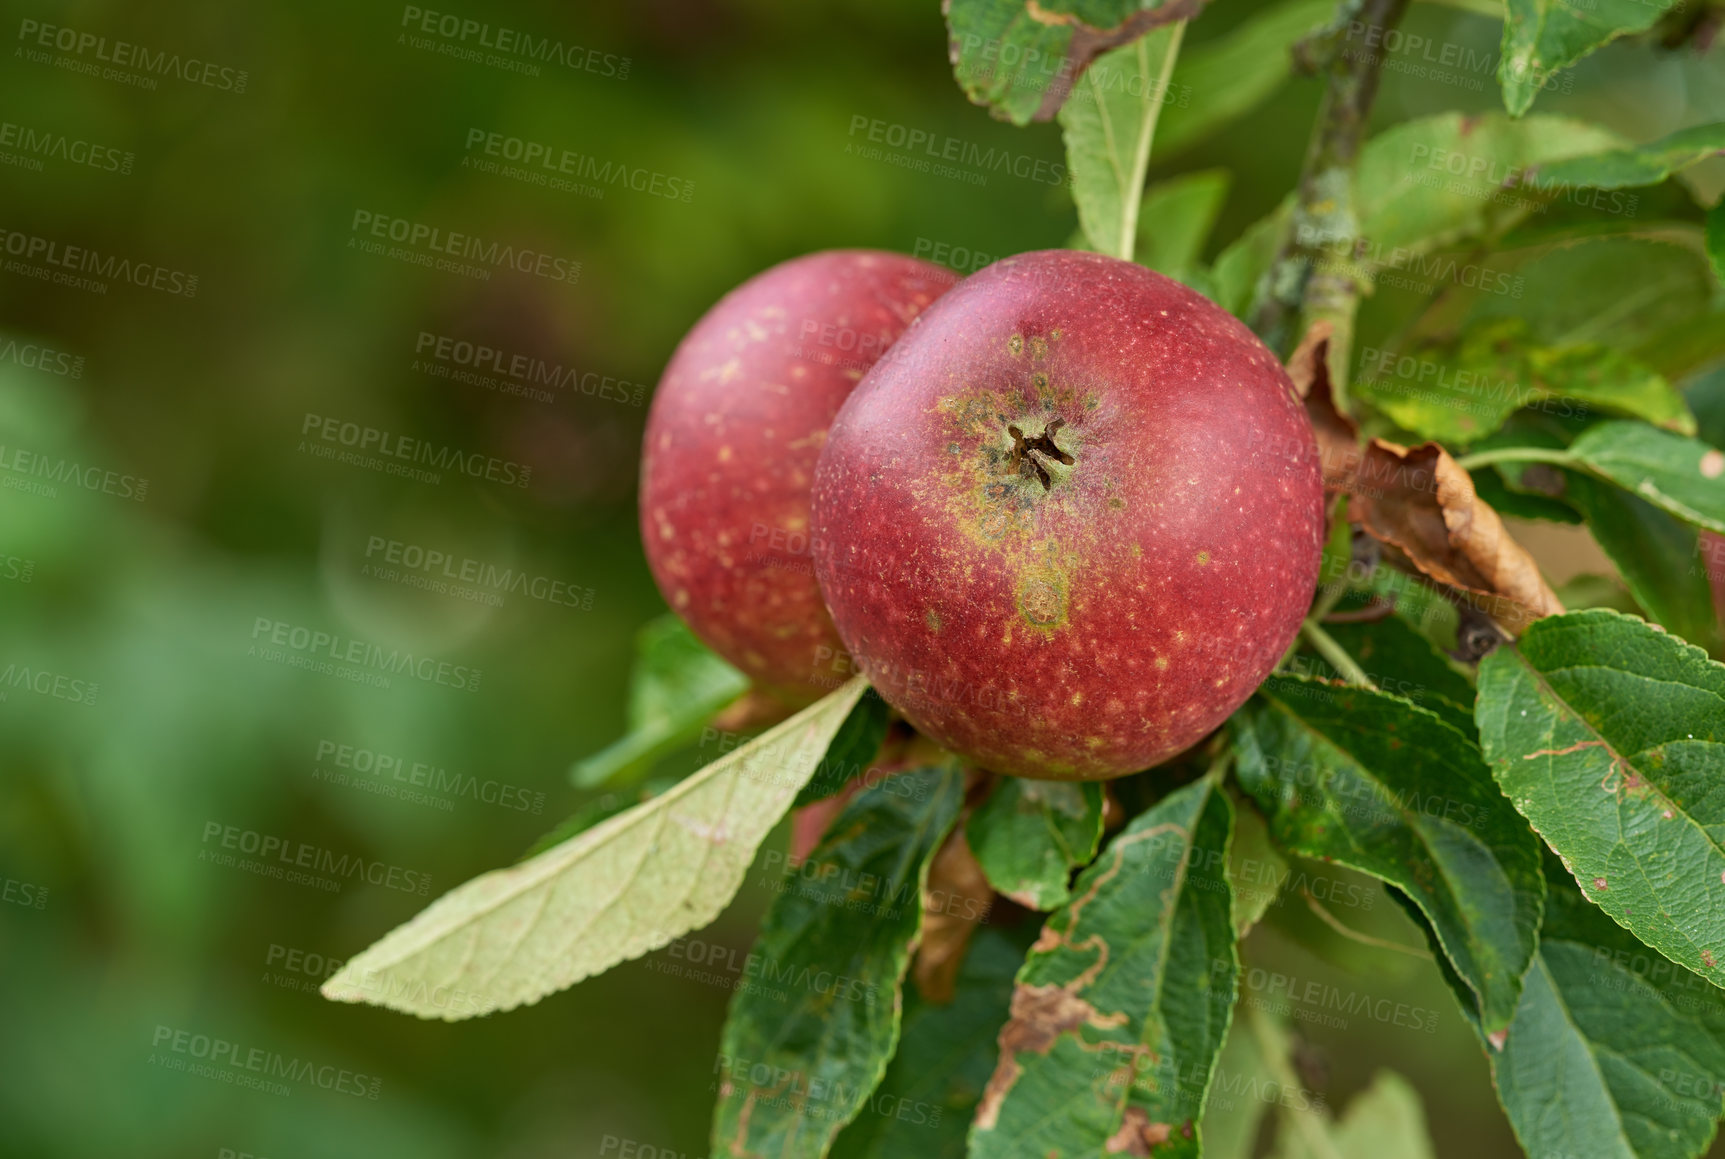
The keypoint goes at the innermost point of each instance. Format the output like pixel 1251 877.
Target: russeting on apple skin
pixel 736 425
pixel 1072 519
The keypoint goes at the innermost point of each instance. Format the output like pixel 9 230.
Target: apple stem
pixel 1336 654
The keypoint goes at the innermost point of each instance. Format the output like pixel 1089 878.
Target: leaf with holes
pixel 1380 785
pixel 1607 734
pixel 613 892
pixel 820 1015
pixel 945 1054
pixel 1109 123
pixel 1030 835
pixel 1122 1007
pixel 1021 58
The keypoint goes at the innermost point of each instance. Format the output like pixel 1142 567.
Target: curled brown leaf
pixel 1339 452
pixel 1420 502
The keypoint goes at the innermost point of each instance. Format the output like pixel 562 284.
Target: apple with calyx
pixel 1072 519
pixel 737 423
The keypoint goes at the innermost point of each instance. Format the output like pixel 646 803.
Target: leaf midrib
pixel 1556 794
pixel 1412 822
pixel 598 841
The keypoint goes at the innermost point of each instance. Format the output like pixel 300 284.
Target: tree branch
pixel 1313 276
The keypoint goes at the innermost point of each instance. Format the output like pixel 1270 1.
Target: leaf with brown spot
pixel 1122 1006
pixel 810 1035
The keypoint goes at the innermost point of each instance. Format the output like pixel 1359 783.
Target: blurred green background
pixel 119 928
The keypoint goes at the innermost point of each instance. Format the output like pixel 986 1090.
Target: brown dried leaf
pixel 1422 502
pixel 1339 452
pixel 955 901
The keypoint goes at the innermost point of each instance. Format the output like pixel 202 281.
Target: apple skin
pixel 1103 623
pixel 736 425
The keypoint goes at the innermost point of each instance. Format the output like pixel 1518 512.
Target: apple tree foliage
pixel 1013 969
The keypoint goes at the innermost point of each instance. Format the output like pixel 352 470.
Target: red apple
pixel 737 423
pixel 1072 520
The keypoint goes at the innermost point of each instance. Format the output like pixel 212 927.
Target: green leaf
pixel 1176 218
pixel 1606 733
pixel 1716 239
pixel 822 1015
pixel 1542 37
pixel 946 1052
pixel 854 746
pixel 1614 1052
pixel 1647 294
pixel 1385 787
pixel 677 685
pixel 1109 123
pixel 1029 836
pixel 1123 1004
pixel 1410 202
pixel 626 886
pixel 1591 590
pixel 1657 555
pixel 1226 77
pixel 1244 263
pixel 1462 390
pixel 1403 663
pixel 1244 1089
pixel 1383 1120
pixel 1681 476
pixel 1256 869
pixel 1020 58
pixel 1488 484
pixel 1638 165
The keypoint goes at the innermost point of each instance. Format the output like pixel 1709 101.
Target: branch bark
pixel 1314 277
